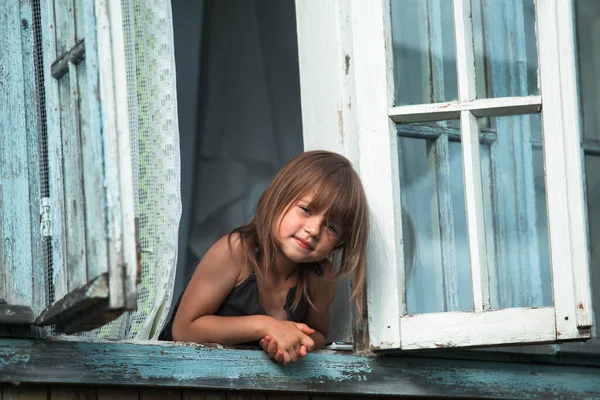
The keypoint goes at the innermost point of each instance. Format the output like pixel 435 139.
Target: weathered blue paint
pixel 14 172
pixel 56 362
pixel 91 138
pixel 33 121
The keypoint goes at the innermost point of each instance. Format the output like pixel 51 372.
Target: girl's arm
pixel 322 290
pixel 215 277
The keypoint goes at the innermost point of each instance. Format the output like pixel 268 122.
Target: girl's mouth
pixel 302 243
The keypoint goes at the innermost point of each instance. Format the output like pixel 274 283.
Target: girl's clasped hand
pixel 271 282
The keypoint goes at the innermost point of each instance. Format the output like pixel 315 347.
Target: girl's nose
pixel 312 228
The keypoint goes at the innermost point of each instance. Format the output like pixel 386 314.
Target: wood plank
pixel 446 224
pixel 65 26
pixel 56 274
pixel 245 396
pixel 60 392
pixel 112 393
pixel 117 156
pixel 459 329
pixel 34 112
pixel 474 207
pixel 378 161
pixel 573 164
pixel 558 173
pixel 76 301
pixel 14 168
pixel 73 180
pixel 188 394
pixel 326 67
pixel 194 366
pixel 29 392
pixel 159 394
pixel 75 55
pixel 93 170
pixel 15 315
pixel 479 107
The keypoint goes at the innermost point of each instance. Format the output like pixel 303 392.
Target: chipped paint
pixel 219 364
pixel 346 64
pixel 196 366
pixel 14 172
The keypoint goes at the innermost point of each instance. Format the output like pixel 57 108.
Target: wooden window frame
pixel 344 111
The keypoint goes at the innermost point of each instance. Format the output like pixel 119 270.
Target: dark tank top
pixel 243 300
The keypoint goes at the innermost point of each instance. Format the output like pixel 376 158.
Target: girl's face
pixel 304 234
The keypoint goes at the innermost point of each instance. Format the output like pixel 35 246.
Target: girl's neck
pixel 284 268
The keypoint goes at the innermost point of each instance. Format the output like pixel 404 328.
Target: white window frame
pixel 347 91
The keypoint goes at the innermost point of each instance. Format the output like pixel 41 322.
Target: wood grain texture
pixel 113 393
pixel 177 366
pixel 159 394
pixel 558 173
pixel 16 261
pixel 31 392
pixel 189 394
pixel 60 392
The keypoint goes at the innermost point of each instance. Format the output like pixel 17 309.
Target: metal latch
pixel 45 222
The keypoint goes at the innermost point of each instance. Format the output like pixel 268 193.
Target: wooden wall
pixel 58 392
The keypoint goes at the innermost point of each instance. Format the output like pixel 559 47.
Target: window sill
pixel 197 366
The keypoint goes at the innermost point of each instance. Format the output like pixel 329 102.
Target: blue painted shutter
pixel 91 265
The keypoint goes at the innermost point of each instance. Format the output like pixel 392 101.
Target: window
pixel 465 130
pixel 70 238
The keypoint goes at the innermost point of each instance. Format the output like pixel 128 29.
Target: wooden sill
pixel 196 366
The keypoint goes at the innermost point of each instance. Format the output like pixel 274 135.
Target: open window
pixel 462 118
pixel 76 219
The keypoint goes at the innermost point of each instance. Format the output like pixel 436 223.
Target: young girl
pixel 273 280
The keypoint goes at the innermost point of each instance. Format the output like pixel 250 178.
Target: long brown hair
pixel 337 185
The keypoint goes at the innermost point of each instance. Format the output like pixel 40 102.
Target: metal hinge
pixel 45 222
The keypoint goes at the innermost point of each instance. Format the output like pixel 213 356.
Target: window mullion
pixel 436 51
pixel 493 107
pixel 445 226
pixel 474 209
pixel 465 65
pixel 573 162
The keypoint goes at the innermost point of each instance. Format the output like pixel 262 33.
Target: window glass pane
pixel 424 51
pixel 436 252
pixel 512 168
pixel 588 36
pixel 505 48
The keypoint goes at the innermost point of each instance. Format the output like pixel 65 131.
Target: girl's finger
pixel 272 348
pixel 303 351
pixel 287 359
pixel 279 357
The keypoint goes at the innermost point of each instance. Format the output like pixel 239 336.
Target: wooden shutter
pixel 92 271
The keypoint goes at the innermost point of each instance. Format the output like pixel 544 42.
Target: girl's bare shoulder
pixel 226 252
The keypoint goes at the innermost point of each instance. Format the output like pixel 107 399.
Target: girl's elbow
pixel 181 329
pixel 177 331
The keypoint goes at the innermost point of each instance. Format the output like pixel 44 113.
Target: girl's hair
pixel 336 185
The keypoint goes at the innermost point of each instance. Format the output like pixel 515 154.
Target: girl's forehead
pixel 323 200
